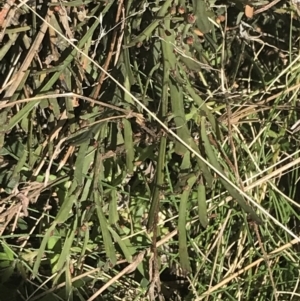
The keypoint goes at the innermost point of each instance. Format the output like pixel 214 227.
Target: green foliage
pixel 149 150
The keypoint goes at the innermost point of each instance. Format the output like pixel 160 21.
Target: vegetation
pixel 149 150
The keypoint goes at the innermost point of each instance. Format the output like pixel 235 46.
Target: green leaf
pixel 107 241
pixel 183 252
pixel 202 208
pixel 201 14
pixel 214 161
pixel 129 146
pixel 65 252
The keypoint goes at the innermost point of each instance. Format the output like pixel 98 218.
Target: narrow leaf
pixel 107 241
pixel 128 145
pixel 214 161
pixel 183 253
pixel 202 208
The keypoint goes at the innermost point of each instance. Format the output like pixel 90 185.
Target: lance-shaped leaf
pixel 214 161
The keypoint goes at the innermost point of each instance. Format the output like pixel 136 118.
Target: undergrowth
pixel 149 150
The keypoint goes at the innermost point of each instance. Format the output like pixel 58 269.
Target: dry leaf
pixel 220 19
pixel 296 5
pixel 249 10
pixel 198 32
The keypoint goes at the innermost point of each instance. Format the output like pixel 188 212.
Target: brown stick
pixel 266 7
pixel 248 267
pixel 109 55
pixel 30 55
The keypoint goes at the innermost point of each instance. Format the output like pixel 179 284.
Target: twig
pixel 109 55
pixel 69 94
pixel 6 15
pixel 252 108
pixel 129 269
pixel 120 39
pixel 153 262
pixel 265 256
pixel 245 269
pixel 30 55
pixel 266 7
pixel 231 142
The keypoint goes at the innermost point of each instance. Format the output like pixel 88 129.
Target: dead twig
pixel 6 15
pixel 267 261
pixel 247 268
pixel 28 60
pixel 266 7
pixel 110 53
pixel 129 269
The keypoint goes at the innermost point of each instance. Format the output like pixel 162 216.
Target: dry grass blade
pixel 129 269
pixel 213 159
pixel 28 60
